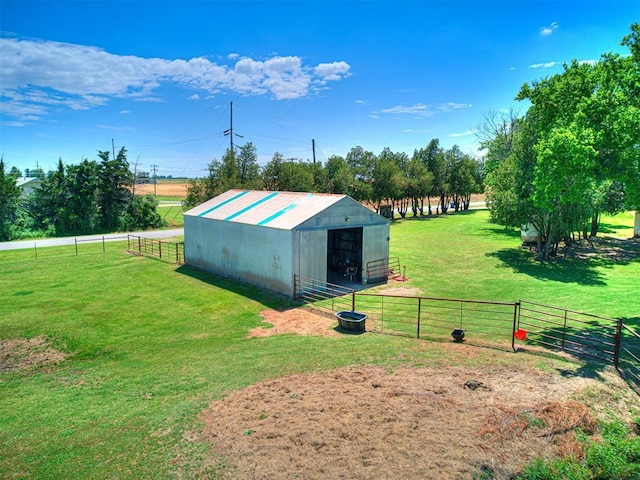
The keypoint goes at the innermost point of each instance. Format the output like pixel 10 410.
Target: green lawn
pixel 172 214
pixel 151 344
pixel 465 256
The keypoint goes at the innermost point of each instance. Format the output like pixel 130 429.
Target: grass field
pixel 465 256
pixel 150 344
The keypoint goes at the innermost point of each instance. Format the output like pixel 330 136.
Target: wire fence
pixel 65 247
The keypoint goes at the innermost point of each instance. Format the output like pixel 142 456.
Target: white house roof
pixel 284 210
pixel 22 181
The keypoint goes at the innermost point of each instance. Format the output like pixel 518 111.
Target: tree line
pixel 574 155
pixel 390 181
pixel 94 196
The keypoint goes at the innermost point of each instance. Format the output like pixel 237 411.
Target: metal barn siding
pixel 265 238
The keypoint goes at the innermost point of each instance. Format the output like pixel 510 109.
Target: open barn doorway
pixel 344 256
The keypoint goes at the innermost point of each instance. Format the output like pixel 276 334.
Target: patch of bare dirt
pixel 21 354
pixel 295 320
pixel 406 291
pixel 411 423
pixel 606 248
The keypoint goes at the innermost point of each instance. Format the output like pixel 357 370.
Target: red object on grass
pixel 520 334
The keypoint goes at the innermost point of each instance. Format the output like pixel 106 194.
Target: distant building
pixel 27 185
pixel 266 238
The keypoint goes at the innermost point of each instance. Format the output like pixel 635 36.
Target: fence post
pixel 419 310
pixel 103 246
pixel 516 323
pixel 564 330
pixel 353 300
pixel 76 242
pixel 35 249
pixel 160 248
pixel 295 282
pixel 128 241
pixel 618 343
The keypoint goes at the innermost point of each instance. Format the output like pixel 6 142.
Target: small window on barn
pixel 317 221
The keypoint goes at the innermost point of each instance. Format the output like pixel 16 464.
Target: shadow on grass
pixel 563 270
pixel 268 298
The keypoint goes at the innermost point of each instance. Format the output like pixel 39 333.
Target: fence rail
pixel 323 295
pixel 436 318
pixel 172 251
pixel 379 271
pixel 500 324
pixel 578 333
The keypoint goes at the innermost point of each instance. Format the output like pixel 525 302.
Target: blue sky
pixel 158 77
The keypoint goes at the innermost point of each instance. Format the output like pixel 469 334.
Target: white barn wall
pixel 310 252
pixel 253 254
pixel 375 245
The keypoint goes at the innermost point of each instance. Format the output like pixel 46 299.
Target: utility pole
pixel 154 178
pixel 229 131
pixel 113 149
pixel 313 148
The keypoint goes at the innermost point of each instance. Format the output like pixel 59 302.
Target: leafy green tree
pixel 248 170
pixel 115 182
pixel 141 214
pixel 575 153
pixel 15 172
pixel 419 182
pixel 432 157
pixel 47 204
pixel 361 163
pixel 201 190
pixel 339 175
pixel 289 175
pixel 388 183
pixel 464 177
pixel 9 194
pixel 81 212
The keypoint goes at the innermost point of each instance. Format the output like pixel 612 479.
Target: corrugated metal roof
pixel 284 210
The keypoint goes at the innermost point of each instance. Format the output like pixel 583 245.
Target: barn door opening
pixel 344 255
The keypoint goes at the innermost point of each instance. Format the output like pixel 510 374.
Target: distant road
pixel 108 237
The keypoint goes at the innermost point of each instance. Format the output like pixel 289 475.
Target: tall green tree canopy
pixel 9 194
pixel 574 155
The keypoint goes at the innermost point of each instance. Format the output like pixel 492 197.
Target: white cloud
pixel 125 112
pixel 40 75
pixel 332 71
pixel 195 96
pixel 462 134
pixel 447 107
pixel 419 109
pixel 423 110
pixel 544 65
pixel 546 31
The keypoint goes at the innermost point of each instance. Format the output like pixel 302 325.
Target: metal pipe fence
pixel 586 336
pixel 323 295
pixel 581 334
pixel 437 318
pixel 172 251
